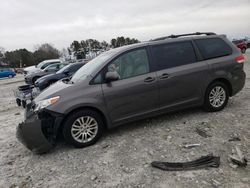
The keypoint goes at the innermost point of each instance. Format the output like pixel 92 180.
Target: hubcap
pixel 217 96
pixel 84 129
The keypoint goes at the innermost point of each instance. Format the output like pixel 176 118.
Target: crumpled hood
pixel 52 91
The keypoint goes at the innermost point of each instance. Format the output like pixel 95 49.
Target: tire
pixel 18 102
pixel 23 103
pixel 213 103
pixel 74 122
pixel 243 50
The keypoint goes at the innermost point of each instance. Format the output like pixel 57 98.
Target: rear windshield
pixel 213 47
pixel 44 64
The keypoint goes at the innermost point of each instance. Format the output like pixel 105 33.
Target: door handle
pixel 149 79
pixel 164 76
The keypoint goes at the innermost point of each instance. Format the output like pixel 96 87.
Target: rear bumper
pixel 38 131
pixel 238 80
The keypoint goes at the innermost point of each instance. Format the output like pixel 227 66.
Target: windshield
pixel 41 64
pixel 91 66
pixel 63 69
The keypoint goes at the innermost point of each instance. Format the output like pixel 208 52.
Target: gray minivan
pixel 131 83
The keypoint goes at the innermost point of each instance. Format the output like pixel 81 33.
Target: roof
pixel 170 38
pixel 51 60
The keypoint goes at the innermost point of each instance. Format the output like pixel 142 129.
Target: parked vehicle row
pixel 66 72
pixel 32 77
pixel 42 65
pixel 131 83
pixel 40 80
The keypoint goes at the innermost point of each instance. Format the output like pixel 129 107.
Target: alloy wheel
pixel 84 129
pixel 217 96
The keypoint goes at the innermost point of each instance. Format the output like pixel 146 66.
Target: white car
pixel 42 65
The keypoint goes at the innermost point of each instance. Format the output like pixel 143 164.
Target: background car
pixel 42 65
pixel 65 72
pixel 241 44
pixel 18 70
pixel 31 78
pixel 7 72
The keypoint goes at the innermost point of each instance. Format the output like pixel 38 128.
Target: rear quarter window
pixel 213 48
pixel 173 54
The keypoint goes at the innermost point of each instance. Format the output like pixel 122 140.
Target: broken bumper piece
pixel 203 162
pixel 30 134
pixel 37 131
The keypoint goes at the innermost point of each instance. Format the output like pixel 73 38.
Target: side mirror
pixel 111 76
pixel 46 70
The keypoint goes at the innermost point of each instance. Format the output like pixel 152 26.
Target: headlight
pixel 44 103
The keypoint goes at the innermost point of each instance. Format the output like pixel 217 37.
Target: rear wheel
pixel 216 97
pixel 83 128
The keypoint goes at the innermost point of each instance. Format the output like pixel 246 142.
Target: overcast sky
pixel 25 23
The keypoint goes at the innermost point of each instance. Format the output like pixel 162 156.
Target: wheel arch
pixel 35 78
pixel 226 82
pixel 104 118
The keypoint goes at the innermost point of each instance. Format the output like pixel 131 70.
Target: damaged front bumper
pixel 38 131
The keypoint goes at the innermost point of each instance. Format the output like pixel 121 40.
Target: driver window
pixel 130 64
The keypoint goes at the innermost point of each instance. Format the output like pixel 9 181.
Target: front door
pixel 136 92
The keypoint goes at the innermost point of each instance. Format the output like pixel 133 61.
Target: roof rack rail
pixel 183 35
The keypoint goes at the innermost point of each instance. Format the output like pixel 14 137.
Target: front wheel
pixel 83 128
pixel 216 97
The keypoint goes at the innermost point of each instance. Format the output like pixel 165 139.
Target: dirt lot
pixel 122 157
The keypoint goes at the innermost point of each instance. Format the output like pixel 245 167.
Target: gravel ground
pixel 122 157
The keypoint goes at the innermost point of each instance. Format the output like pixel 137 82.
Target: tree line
pixel 79 49
pixel 24 57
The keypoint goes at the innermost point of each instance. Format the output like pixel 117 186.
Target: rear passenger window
pixel 212 48
pixel 173 54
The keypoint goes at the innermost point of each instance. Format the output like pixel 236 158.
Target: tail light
pixel 240 59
